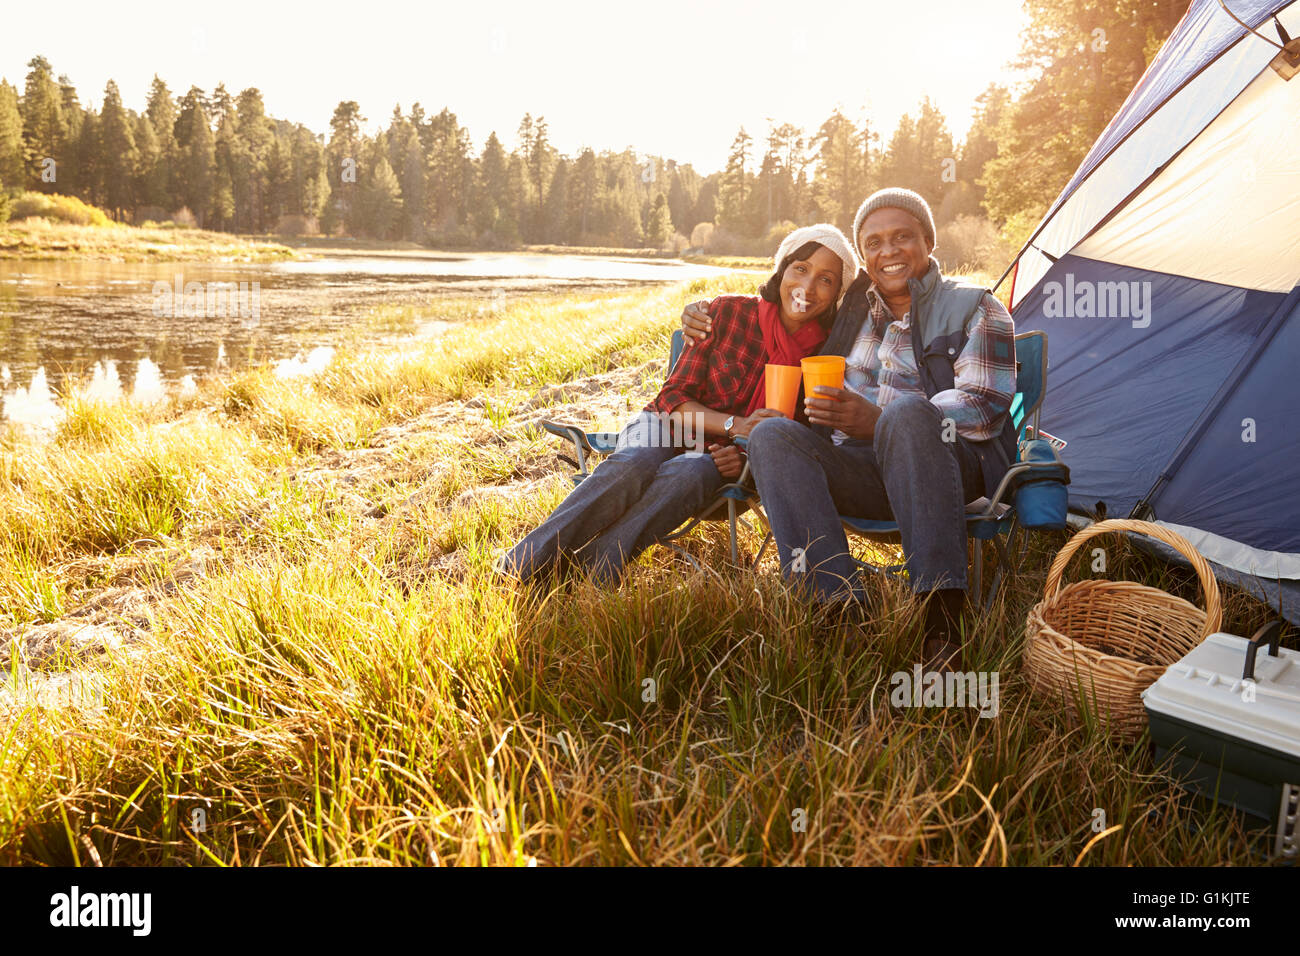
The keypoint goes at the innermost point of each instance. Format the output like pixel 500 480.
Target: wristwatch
pixel 726 426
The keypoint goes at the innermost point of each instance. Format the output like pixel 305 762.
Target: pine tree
pixel 556 228
pixel 44 131
pixel 196 158
pixel 382 199
pixel 784 159
pixel 1084 56
pixel 74 160
pixel 919 152
pixel 118 153
pixel 255 133
pixel 90 172
pixel 489 190
pixel 406 157
pixel 680 200
pixel 310 190
pixel 734 188
pixel 980 147
pixel 659 227
pixel 447 152
pixel 162 177
pixel 515 202
pixel 226 204
pixel 843 169
pixel 146 146
pixel 342 158
pixel 584 194
pixel 11 140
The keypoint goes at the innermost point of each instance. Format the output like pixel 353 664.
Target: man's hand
pixel 696 323
pixel 729 459
pixel 744 426
pixel 839 408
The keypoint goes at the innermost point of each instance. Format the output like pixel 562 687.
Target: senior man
pixel 907 439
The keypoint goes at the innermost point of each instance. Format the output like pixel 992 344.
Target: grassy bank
pixel 40 239
pixel 271 603
pixel 751 263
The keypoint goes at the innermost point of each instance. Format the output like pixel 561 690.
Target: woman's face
pixel 810 286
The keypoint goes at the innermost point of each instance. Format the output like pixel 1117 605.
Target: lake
pixel 72 317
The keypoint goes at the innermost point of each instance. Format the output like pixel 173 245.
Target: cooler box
pixel 1234 738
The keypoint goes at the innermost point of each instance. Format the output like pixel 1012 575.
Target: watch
pixel 726 426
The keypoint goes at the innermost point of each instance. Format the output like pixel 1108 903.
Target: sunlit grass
pixel 42 239
pixel 346 683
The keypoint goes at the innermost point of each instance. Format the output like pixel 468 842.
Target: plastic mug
pixel 822 370
pixel 783 388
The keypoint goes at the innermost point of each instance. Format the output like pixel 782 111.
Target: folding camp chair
pixel 997 519
pixel 730 501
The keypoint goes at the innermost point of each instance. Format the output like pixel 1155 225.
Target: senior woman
pixel 651 483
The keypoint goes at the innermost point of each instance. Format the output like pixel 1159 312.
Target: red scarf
pixel 781 347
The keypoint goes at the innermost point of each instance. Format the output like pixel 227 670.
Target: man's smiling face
pixel 895 249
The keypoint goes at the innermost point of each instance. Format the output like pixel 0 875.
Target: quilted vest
pixel 942 311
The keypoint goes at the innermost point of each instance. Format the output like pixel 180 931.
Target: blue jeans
pixel 645 490
pixel 907 473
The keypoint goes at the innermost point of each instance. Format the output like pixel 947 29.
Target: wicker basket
pixel 1094 646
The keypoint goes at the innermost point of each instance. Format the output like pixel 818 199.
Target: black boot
pixel 941 648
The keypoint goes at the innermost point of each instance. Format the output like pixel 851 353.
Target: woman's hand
pixel 696 322
pixel 744 426
pixel 729 460
pixel 842 409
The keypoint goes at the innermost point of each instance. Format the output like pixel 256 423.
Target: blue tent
pixel 1167 276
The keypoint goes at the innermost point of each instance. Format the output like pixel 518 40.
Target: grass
pixel 327 669
pixel 41 239
pixel 750 263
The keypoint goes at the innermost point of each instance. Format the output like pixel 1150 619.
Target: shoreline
pixel 42 241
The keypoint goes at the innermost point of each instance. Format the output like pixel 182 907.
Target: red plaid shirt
pixel 724 370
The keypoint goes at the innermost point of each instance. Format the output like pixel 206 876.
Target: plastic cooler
pixel 1229 716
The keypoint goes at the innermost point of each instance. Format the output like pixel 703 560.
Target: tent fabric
pixel 1237 186
pixel 1279 594
pixel 1248 491
pixel 1203 34
pixel 1240 557
pixel 1181 102
pixel 1123 395
pixel 1168 281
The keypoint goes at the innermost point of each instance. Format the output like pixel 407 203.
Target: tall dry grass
pixel 344 682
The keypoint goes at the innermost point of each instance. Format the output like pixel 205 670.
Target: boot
pixel 941 647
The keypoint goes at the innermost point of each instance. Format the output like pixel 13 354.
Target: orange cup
pixel 822 370
pixel 783 388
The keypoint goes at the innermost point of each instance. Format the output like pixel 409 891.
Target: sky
pixel 674 79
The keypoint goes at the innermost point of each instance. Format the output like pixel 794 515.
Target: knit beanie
pixel 830 237
pixel 903 199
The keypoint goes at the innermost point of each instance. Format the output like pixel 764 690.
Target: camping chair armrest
pixel 741 442
pixel 1018 468
pixel 574 434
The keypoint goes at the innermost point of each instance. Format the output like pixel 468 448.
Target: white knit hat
pixel 830 237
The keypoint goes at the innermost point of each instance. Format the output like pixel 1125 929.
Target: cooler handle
pixel 1252 648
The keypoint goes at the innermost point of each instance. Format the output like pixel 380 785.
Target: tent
pixel 1167 276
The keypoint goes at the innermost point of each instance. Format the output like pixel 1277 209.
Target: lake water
pixel 110 320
